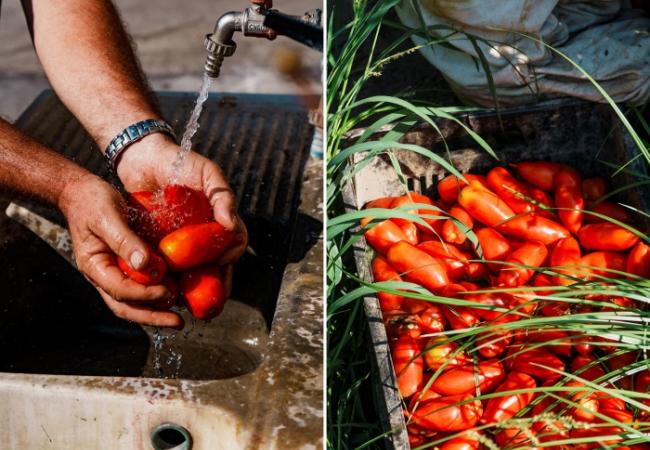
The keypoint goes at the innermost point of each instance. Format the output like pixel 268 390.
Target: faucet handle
pixel 266 4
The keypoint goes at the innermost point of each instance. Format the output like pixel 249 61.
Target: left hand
pixel 148 165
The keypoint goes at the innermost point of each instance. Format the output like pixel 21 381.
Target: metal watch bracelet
pixel 134 133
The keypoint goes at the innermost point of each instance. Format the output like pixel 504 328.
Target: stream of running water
pixel 175 359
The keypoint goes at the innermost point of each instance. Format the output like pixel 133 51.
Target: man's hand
pixel 96 216
pixel 149 165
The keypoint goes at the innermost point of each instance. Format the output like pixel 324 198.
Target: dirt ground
pixel 168 35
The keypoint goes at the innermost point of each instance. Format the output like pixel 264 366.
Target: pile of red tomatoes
pixel 178 222
pixel 485 240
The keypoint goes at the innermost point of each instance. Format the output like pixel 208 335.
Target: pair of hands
pixel 96 216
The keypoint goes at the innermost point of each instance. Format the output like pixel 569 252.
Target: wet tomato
pixel 193 245
pixel 204 291
pixel 150 275
pixel 156 214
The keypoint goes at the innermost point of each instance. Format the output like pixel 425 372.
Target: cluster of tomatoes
pixel 548 217
pixel 178 221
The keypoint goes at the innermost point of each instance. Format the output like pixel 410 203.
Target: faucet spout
pixel 219 43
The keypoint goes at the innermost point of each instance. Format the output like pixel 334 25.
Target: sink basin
pixel 72 375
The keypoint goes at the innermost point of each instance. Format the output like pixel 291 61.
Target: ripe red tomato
pixel 529 360
pixel 445 414
pixel 408 365
pixel 491 344
pixel 463 442
pixel 439 351
pixel 566 260
pixel 382 203
pixel 495 247
pixel 608 209
pixel 456 263
pixel 463 379
pixel 412 198
pixel 450 232
pixel 606 236
pixel 511 191
pixel 428 315
pixel 450 186
pixel 417 266
pixel 585 366
pixel 531 254
pixel 156 214
pixel 411 232
pixel 638 261
pixel 383 235
pixel 150 275
pixel 557 340
pixel 382 271
pixel 539 173
pixel 172 286
pixel 204 291
pixel 568 198
pixel 484 206
pixel 604 260
pixel 194 245
pixel 533 227
pixel 503 408
pixel 594 188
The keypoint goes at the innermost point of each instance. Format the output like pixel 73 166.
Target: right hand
pixel 96 216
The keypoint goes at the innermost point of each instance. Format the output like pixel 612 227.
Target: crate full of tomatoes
pixel 509 302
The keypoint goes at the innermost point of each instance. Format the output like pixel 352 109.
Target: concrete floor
pixel 169 42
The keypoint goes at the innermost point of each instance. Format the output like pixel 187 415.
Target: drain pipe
pixel 252 21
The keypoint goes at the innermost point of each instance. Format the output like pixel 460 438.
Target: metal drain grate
pixel 260 141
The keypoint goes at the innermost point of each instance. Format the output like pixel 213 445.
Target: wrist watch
pixel 134 133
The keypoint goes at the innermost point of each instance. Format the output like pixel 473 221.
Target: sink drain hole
pixel 169 436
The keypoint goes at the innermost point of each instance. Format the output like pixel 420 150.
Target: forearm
pixel 31 169
pixel 88 59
